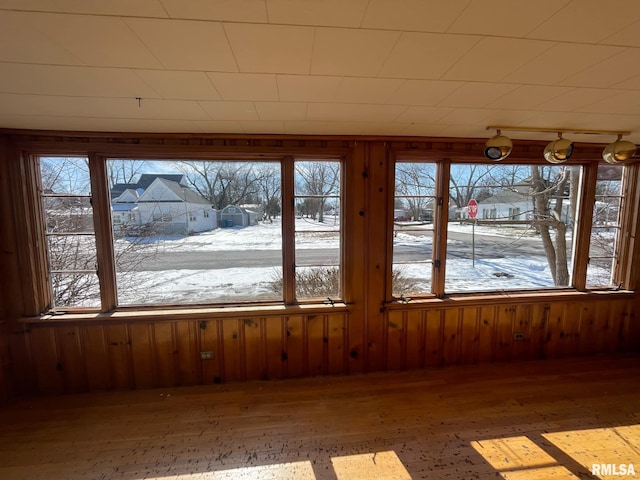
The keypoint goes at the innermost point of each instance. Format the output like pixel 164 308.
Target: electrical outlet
pixel 206 355
pixel 518 335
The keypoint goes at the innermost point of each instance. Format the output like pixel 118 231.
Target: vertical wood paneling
pixel 539 323
pixel 188 355
pixel 434 324
pixel 25 370
pixel 522 349
pixel 316 343
pixel 504 333
pixel 336 329
pixel 276 349
pixel 415 339
pixel 164 357
pixel 43 351
pixel 486 334
pixel 570 336
pixel 396 345
pixel 451 336
pixel 378 221
pixel 469 336
pixel 254 355
pixel 143 365
pixel 355 253
pixel 555 325
pixel 296 346
pixel 211 342
pixel 232 351
pixel 119 356
pixel 96 358
pixel 587 340
pixel 72 361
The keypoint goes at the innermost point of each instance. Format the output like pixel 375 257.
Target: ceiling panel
pixel 352 112
pixel 302 88
pixel 281 110
pixel 141 8
pixel 230 110
pixel 270 48
pixel 607 73
pixel 253 11
pixel 504 18
pixel 333 13
pixel 588 21
pixel 374 67
pixel 170 84
pixel 424 92
pixel 245 86
pixel 528 96
pixel 95 40
pixel 426 55
pixel 185 44
pixel 366 90
pixel 102 107
pixel 560 62
pixel 477 94
pixel 336 48
pixel 413 15
pixel 492 59
pixel 574 99
pixel 73 81
pixel 20 43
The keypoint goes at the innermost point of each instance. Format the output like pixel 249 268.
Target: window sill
pixel 476 299
pixel 160 315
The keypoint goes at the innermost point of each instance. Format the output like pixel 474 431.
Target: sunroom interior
pixel 319 239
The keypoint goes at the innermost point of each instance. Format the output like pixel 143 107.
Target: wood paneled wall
pixel 367 335
pixel 78 358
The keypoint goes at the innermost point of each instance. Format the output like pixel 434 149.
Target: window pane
pixel 317 229
pixel 522 235
pixel 71 246
pixel 194 232
pixel 413 212
pixel 605 226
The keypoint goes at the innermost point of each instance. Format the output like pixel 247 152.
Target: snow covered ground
pixel 256 284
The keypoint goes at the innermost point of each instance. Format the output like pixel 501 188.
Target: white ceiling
pixel 356 67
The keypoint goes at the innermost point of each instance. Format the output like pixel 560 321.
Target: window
pixel 317 229
pixel 65 194
pixel 522 236
pixel 193 232
pixel 605 227
pixel 505 252
pixel 413 214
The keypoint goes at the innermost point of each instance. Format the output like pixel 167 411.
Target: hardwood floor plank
pixel 534 420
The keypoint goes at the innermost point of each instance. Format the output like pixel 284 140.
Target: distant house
pixel 160 205
pixel 237 216
pixel 504 206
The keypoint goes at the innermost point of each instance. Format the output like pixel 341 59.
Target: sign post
pixel 472 210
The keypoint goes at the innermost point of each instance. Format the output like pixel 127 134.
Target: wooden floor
pixel 535 420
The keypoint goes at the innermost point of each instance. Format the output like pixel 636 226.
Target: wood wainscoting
pixel 57 358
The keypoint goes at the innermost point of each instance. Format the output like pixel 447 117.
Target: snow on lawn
pixel 254 284
pixel 264 236
pixel 198 286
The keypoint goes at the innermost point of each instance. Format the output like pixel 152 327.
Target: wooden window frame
pixel 100 198
pixel 623 275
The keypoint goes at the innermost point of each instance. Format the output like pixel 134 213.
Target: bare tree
pixel 124 171
pixel 270 189
pixel 415 188
pixel 223 183
pixel 318 181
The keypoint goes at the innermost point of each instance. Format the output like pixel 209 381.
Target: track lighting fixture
pixel 619 151
pixel 498 147
pixel 559 150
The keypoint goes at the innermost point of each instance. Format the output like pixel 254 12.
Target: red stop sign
pixel 472 208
